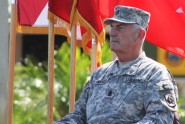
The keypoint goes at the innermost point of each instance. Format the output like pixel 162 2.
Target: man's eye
pixel 121 26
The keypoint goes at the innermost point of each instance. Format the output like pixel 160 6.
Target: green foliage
pixel 30 92
pixel 106 53
pixel 62 77
pixel 181 109
pixel 31 85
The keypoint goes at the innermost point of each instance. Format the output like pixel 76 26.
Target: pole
pixel 50 72
pixel 12 46
pixel 93 56
pixel 72 69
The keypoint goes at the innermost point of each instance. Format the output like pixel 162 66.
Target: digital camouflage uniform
pixel 141 93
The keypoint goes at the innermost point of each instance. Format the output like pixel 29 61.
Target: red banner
pixel 29 10
pixel 62 8
pixel 167 23
pixel 84 14
pixel 33 17
pixel 89 16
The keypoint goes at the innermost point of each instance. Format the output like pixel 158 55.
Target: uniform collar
pixel 130 69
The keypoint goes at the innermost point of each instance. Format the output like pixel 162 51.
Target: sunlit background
pixel 30 84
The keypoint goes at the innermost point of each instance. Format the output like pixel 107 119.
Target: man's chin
pixel 113 49
pixel 114 45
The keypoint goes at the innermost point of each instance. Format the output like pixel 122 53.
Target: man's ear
pixel 141 34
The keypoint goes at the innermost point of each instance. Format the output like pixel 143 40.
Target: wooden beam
pixel 12 51
pixel 51 42
pixel 93 56
pixel 72 70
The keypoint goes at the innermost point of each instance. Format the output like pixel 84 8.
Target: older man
pixel 131 89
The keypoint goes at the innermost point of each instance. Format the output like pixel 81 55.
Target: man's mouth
pixel 112 41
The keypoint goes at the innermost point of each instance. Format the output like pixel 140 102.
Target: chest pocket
pixel 130 91
pixel 130 101
pixel 110 94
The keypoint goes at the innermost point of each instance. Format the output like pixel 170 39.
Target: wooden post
pixel 12 51
pixel 93 56
pixel 72 70
pixel 51 43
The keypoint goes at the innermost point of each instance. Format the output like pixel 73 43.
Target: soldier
pixel 133 89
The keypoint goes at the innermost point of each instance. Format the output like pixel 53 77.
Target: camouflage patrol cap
pixel 127 14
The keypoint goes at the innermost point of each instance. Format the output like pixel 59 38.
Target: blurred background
pixel 30 81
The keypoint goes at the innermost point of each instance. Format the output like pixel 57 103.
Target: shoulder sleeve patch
pixel 170 100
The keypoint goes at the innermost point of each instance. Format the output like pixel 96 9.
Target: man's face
pixel 123 37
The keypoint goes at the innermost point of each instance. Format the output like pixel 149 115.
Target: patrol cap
pixel 127 14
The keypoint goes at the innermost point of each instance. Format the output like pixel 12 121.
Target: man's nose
pixel 112 33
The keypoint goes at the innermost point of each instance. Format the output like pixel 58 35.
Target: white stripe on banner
pixel 13 1
pixel 42 19
pixel 180 10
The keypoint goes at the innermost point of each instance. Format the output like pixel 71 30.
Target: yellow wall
pixel 174 63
